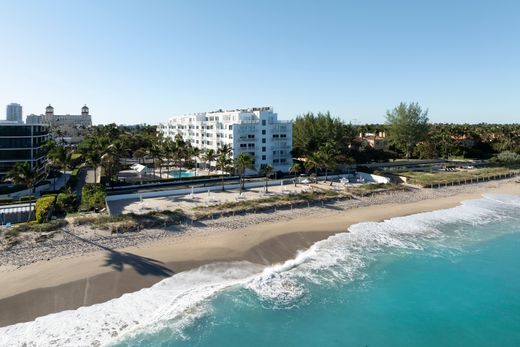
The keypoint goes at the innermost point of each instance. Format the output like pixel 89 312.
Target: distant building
pixel 377 141
pixel 54 120
pixel 256 131
pixel 33 119
pixel 14 113
pixel 22 143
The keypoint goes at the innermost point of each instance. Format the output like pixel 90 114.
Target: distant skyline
pixel 143 62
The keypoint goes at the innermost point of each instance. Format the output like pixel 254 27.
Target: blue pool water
pixel 443 278
pixel 180 173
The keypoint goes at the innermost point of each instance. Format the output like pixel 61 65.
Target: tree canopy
pixel 407 124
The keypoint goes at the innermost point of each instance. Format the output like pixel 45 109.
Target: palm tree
pixel 208 157
pixel 60 156
pixel 139 154
pixel 295 169
pixel 94 159
pixel 195 154
pixel 327 157
pixel 242 162
pixel 24 174
pixel 154 150
pixel 167 150
pixel 266 171
pixel 223 160
pixel 313 162
pixel 181 152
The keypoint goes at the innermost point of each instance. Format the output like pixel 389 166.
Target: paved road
pixel 82 175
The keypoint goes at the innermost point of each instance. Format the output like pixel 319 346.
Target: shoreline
pixel 69 282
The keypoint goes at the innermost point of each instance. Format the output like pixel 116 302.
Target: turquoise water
pixel 181 173
pixel 443 278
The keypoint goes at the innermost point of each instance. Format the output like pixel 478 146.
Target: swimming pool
pixel 180 173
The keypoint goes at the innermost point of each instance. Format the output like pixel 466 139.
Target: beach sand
pixel 70 282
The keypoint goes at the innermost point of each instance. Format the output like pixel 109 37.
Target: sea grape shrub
pixel 43 207
pixel 66 202
pixel 93 197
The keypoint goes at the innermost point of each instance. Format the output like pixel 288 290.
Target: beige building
pixel 377 141
pixel 67 120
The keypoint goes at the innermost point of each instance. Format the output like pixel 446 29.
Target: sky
pixel 145 61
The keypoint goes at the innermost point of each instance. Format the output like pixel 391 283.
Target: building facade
pixel 54 120
pixel 256 131
pixel 14 113
pixel 377 141
pixel 33 119
pixel 22 143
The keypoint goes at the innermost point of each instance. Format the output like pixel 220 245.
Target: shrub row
pixel 93 197
pixel 43 207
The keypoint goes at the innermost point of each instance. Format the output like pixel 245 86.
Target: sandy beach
pixel 102 273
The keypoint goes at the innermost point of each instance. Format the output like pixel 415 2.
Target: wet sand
pixel 70 282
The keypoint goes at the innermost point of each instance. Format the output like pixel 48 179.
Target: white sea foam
pixel 177 301
pixel 344 257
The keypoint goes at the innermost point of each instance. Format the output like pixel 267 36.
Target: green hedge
pixel 93 197
pixel 43 206
pixel 6 201
pixel 66 202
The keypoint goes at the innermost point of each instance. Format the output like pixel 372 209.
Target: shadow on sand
pixel 118 260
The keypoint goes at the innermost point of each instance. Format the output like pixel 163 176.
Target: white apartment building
pixel 256 131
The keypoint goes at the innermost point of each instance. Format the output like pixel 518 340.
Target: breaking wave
pixel 177 302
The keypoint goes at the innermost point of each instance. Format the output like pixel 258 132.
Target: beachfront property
pixel 67 120
pixel 21 143
pixel 377 141
pixel 256 131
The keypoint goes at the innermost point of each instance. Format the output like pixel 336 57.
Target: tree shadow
pixel 142 265
pixel 118 260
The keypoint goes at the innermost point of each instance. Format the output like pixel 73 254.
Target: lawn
pixel 427 179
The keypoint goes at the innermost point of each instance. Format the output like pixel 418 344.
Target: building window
pixel 263 157
pixel 263 149
pixel 263 132
pixel 230 127
pixel 251 136
pixel 282 160
pixel 263 122
pixel 263 140
pixel 275 136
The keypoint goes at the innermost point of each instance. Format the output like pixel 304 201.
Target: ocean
pixel 443 278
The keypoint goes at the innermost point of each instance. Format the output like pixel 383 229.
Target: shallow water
pixel 448 277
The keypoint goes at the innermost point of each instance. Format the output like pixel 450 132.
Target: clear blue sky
pixel 145 61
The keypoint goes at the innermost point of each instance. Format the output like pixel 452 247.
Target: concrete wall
pixel 287 181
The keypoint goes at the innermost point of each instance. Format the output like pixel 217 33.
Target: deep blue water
pixel 444 278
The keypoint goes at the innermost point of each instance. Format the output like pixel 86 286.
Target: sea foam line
pixel 178 301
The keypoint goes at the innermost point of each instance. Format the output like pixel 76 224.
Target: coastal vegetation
pixel 132 222
pixel 43 207
pixel 409 133
pixel 93 197
pixel 407 125
pixel 306 198
pixel 429 179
